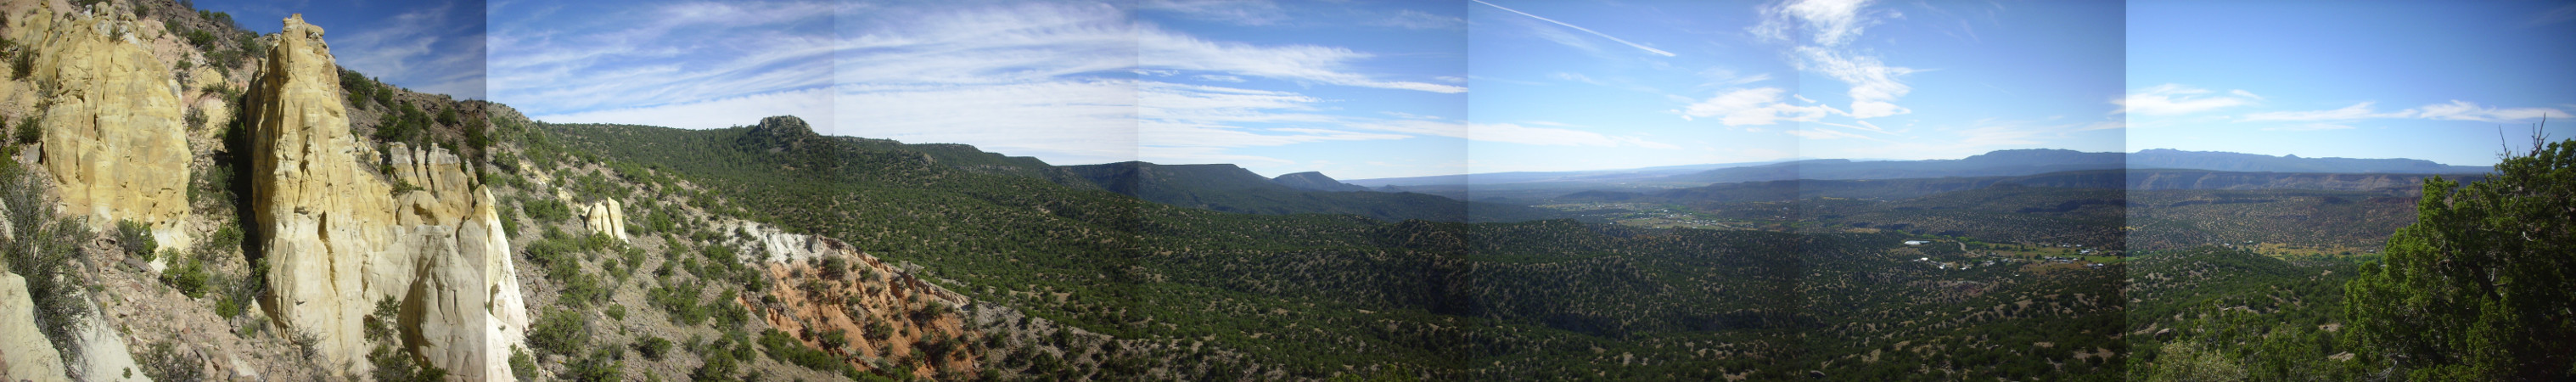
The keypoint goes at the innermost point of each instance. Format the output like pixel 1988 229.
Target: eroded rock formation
pixel 339 236
pixel 113 138
pixel 606 217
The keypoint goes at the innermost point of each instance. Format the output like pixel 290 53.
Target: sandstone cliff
pixel 338 236
pixel 114 138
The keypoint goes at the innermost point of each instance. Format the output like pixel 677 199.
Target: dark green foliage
pixel 2480 287
pixel 30 130
pixel 406 124
pixel 787 350
pixel 136 239
pixel 23 65
pixel 43 250
pixel 653 347
pixel 562 332
pixel 188 275
pixel 547 210
pixel 392 363
pixel 834 268
pixel 201 39
pixel 165 363
pixel 680 301
pixel 601 365
pixel 522 365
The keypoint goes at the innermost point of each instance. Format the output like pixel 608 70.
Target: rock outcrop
pixel 339 237
pixel 607 218
pixel 114 138
pixel 29 356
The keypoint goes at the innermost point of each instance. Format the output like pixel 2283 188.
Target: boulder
pixel 606 217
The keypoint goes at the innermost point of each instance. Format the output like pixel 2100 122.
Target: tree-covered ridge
pixel 1311 294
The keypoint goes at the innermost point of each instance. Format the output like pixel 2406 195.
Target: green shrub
pixel 522 365
pixel 165 363
pixel 391 361
pixel 136 238
pixel 30 130
pixel 653 347
pixel 545 209
pixel 189 277
pixel 787 350
pixel 599 366
pixel 561 333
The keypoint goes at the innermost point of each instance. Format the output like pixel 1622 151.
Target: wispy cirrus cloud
pixel 637 63
pixel 435 48
pixel 2470 111
pixel 1648 49
pixel 2455 110
pixel 1754 107
pixel 1329 65
pixel 2176 99
pixel 2356 111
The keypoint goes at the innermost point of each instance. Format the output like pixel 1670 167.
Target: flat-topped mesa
pixel 113 136
pixel 338 236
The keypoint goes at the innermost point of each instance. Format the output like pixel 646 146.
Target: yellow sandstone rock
pixel 114 138
pixel 340 236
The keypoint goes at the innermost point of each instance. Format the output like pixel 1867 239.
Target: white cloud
pixel 1166 50
pixel 1874 88
pixel 1585 30
pixel 2308 127
pixel 814 105
pixel 1244 12
pixel 2173 99
pixel 635 58
pixel 2456 110
pixel 1218 78
pixel 2469 111
pixel 424 49
pixel 2356 111
pixel 1756 106
pixel 1830 22
pixel 1823 134
pixel 1832 25
pixel 1412 19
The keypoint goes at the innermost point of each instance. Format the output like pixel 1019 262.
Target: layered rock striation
pixel 339 236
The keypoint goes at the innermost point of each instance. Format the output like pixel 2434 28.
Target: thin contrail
pixel 1656 51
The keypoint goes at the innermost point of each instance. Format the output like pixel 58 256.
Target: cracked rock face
pixel 114 139
pixel 339 236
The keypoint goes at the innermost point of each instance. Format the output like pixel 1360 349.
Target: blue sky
pixel 2425 80
pixel 430 46
pixel 1382 89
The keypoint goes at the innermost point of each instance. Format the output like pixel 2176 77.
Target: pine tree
pixel 2479 287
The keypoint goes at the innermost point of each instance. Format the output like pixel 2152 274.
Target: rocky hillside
pixel 331 226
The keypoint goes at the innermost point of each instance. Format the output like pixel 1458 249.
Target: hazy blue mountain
pixel 1229 188
pixel 2227 161
pixel 1315 181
